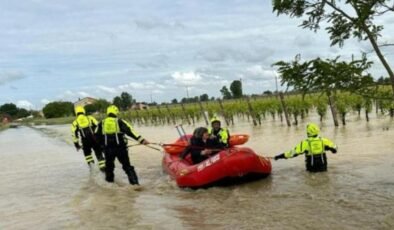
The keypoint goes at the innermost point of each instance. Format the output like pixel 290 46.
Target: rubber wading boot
pixel 133 179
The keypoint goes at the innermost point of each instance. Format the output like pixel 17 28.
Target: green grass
pixel 3 126
pixel 262 107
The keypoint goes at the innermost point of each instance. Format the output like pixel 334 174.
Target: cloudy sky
pixel 153 49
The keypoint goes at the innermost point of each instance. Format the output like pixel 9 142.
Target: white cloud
pixel 45 101
pixel 157 91
pixel 258 72
pixel 107 89
pixel 186 78
pixel 100 49
pixel 141 86
pixel 304 40
pixel 83 94
pixel 24 104
pixel 69 93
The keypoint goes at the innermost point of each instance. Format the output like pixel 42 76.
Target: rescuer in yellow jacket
pixel 222 135
pixel 83 128
pixel 314 148
pixel 111 135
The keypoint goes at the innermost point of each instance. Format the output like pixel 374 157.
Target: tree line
pixel 125 100
pixel 10 109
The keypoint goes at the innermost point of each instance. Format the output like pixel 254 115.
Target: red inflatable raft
pixel 232 164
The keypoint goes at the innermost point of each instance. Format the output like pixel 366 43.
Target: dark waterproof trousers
pixel 316 163
pixel 121 153
pixel 89 143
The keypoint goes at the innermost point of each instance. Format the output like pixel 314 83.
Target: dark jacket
pixel 118 139
pixel 196 146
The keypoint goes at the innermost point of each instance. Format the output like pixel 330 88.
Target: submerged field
pixel 47 184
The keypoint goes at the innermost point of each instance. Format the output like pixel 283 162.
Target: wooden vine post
pixel 223 112
pixel 284 108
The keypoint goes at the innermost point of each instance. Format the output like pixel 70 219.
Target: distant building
pixel 85 101
pixel 139 106
pixel 5 118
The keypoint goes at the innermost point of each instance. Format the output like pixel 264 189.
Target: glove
pixel 280 156
pixel 145 142
pixel 77 146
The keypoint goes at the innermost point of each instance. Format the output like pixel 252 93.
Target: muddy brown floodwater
pixel 45 184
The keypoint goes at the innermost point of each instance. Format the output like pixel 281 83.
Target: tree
pixel 58 109
pixel 236 88
pixel 225 93
pixel 190 99
pixel 22 113
pixel 117 101
pixel 36 113
pixel 325 75
pixel 98 106
pixel 383 81
pixel 295 73
pixel 174 101
pixel 126 99
pixel 204 97
pixel 341 23
pixel 9 108
pixel 101 105
pixel 267 92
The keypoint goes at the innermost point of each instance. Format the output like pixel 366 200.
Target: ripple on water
pixel 52 188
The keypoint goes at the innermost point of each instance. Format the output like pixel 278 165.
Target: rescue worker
pixel 314 148
pixel 111 135
pixel 83 128
pixel 217 132
pixel 201 146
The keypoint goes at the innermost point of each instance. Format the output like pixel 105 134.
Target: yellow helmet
pixel 79 109
pixel 215 119
pixel 113 109
pixel 312 129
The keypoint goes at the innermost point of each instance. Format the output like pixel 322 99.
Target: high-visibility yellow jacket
pixel 112 130
pixel 83 126
pixel 222 135
pixel 312 146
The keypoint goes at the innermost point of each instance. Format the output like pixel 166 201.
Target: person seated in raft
pixel 201 146
pixel 217 132
pixel 314 148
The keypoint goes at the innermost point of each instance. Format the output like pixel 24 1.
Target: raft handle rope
pixel 148 145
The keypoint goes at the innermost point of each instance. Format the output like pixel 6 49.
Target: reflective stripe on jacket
pixel 311 146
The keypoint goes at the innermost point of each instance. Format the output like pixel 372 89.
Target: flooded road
pixel 45 184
